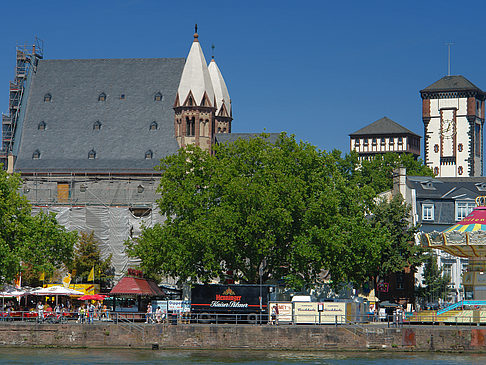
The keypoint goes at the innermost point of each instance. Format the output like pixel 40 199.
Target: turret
pixel 195 104
pixel 223 102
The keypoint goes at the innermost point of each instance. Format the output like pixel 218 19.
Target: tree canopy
pixel 37 242
pixel 377 172
pixel 285 207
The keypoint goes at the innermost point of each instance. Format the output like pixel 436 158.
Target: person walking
pixel 91 309
pixel 148 315
pixel 158 315
pixel 40 312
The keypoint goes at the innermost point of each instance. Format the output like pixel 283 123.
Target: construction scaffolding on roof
pixel 27 57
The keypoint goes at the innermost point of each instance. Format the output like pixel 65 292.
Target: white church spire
pixel 195 79
pixel 223 101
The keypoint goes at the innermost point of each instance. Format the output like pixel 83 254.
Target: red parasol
pixel 92 297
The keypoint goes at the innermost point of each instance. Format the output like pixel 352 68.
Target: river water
pixel 120 357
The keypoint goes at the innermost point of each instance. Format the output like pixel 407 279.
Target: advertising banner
pixel 332 312
pixel 306 312
pixel 284 311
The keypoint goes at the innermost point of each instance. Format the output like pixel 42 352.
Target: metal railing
pixel 138 319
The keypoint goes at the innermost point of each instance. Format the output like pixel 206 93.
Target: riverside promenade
pixel 256 337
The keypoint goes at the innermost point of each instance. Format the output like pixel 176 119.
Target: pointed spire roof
pixel 195 76
pixel 383 126
pixel 452 83
pixel 220 89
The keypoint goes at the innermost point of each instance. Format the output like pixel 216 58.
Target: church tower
pixel 195 104
pixel 453 116
pixel 223 115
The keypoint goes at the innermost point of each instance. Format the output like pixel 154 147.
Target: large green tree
pixel 285 206
pixel 401 250
pixel 38 242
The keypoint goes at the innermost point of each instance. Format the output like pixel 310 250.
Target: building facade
pixel 453 117
pixel 88 134
pixel 437 204
pixel 382 136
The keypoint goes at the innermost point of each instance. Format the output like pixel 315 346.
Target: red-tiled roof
pixel 136 286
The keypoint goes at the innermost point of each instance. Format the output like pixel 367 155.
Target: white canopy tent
pixel 56 291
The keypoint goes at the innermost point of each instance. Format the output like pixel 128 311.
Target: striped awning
pixel 464 239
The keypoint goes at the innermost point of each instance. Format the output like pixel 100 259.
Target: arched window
pixel 41 126
pixel 36 155
pixel 219 129
pixel 102 97
pixel 92 154
pixel 148 155
pixel 47 98
pixel 190 126
pixel 158 97
pixel 97 125
pixel 153 126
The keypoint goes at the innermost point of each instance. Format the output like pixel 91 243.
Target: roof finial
pixel 212 51
pixel 449 44
pixel 195 34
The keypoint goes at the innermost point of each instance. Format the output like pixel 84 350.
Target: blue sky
pixel 316 69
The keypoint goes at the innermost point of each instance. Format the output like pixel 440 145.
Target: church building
pixel 453 117
pixel 86 134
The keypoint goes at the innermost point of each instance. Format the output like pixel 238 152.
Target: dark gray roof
pixel 447 188
pixel 383 126
pixel 232 137
pixel 125 134
pixel 452 83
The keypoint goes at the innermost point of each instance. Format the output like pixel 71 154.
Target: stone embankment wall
pixel 245 337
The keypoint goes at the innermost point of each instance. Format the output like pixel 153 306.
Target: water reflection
pixel 120 357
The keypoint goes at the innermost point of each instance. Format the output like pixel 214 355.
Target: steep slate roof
pixel 383 126
pixel 452 83
pixel 125 133
pixel 232 137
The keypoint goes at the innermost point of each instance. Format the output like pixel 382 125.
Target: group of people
pixel 89 312
pixel 160 315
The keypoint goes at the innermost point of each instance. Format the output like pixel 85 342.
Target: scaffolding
pixel 27 57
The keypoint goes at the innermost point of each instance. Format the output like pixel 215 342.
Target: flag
pixel 66 281
pixel 18 281
pixel 42 276
pixel 91 274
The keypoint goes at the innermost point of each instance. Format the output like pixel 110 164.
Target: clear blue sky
pixel 316 69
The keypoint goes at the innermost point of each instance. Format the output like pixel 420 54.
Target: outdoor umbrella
pixel 9 292
pixel 56 290
pixel 92 297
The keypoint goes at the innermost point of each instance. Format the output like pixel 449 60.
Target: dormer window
pixel 148 155
pixel 92 154
pixel 47 98
pixel 158 97
pixel 36 155
pixel 122 97
pixel 97 125
pixel 41 126
pixel 154 126
pixel 102 97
